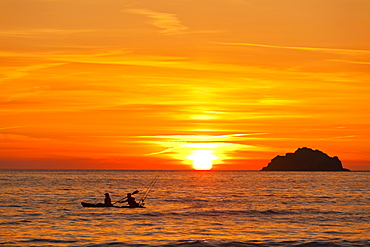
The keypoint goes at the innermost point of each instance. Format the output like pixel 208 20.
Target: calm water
pixel 185 208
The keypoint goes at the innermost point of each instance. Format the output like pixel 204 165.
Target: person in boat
pixel 131 201
pixel 107 200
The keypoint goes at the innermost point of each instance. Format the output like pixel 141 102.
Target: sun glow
pixel 202 159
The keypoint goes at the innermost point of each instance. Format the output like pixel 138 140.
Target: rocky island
pixel 305 159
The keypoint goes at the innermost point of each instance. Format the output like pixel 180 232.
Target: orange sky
pixel 118 84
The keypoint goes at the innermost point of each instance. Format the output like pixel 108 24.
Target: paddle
pixel 133 193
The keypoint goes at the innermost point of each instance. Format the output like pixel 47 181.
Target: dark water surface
pixel 185 208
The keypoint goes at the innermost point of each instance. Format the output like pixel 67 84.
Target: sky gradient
pixel 118 84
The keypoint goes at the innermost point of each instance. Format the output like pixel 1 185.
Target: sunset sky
pixel 160 84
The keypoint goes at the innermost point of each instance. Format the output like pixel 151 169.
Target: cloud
pixel 186 143
pixel 349 61
pixel 39 33
pixel 327 50
pixel 18 72
pixel 222 147
pixel 196 138
pixel 6 138
pixel 14 127
pixel 167 150
pixel 169 23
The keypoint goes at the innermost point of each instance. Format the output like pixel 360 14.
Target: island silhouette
pixel 305 159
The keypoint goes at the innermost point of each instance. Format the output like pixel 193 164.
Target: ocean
pixel 185 208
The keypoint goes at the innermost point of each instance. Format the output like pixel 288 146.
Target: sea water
pixel 185 208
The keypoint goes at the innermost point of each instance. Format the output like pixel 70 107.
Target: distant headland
pixel 305 159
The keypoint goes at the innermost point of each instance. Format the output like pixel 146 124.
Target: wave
pixel 220 213
pixel 20 222
pixel 197 243
pixel 10 206
pixel 202 243
pixel 227 212
pixel 42 240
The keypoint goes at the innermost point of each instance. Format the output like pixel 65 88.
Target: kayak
pixel 94 205
pixel 101 205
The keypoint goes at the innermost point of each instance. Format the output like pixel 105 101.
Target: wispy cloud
pixel 349 61
pixel 39 33
pixel 22 71
pixel 186 143
pixel 327 50
pixel 15 137
pixel 169 23
pixel 167 150
pixel 196 138
pixel 181 147
pixel 14 127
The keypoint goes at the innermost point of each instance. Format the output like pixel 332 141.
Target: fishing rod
pixel 141 201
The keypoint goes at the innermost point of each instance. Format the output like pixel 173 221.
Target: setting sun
pixel 202 159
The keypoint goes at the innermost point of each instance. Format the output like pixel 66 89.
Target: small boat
pixel 101 205
pixel 140 204
pixel 94 205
